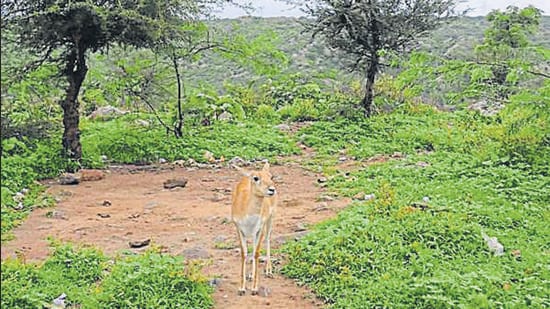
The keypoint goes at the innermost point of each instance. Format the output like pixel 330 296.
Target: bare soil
pixel 130 204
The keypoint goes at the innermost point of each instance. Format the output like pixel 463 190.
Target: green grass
pixel 389 252
pixel 124 142
pixel 91 280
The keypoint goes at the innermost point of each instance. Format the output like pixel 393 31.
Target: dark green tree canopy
pixel 66 31
pixel 361 27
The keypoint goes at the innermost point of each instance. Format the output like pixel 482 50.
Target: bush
pixel 90 280
pixel 69 271
pixel 152 280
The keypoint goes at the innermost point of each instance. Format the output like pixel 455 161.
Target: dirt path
pixel 191 221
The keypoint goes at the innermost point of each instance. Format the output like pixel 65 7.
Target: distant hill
pixel 455 40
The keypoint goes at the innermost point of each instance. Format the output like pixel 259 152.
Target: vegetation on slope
pixel 419 242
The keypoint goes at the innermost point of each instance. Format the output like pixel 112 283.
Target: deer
pixel 253 205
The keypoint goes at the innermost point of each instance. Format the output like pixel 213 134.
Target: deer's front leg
pixel 268 266
pixel 256 260
pixel 242 243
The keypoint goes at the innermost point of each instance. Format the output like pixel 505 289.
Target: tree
pixel 365 29
pixel 506 42
pixel 66 31
pixel 183 44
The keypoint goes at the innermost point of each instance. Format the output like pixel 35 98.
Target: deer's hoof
pixel 254 292
pixel 241 292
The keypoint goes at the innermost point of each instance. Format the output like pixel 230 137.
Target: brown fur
pixel 254 202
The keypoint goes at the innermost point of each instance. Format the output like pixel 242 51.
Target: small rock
pixel 238 161
pixel 179 163
pixel 369 197
pixel 208 156
pixel 322 179
pixel 217 197
pixel 57 214
pixel 107 203
pixel 359 196
pixel 282 127
pixel 190 162
pixel 91 175
pixel 222 190
pixel 68 179
pixel 173 183
pixel 342 159
pixel 220 238
pixel 151 205
pixel 18 197
pixel 104 215
pixel 162 160
pixel 321 207
pixel 215 282
pixel 326 198
pixel 106 112
pixel 516 253
pixel 425 199
pixel 264 291
pixel 300 227
pixel 195 253
pixel 397 155
pixel 493 244
pixel 19 206
pixel 422 164
pixel 139 243
pixel 104 158
pixel 59 302
pixel 225 116
pixel 143 123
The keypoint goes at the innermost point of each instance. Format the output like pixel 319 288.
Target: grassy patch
pixel 122 141
pixel 418 243
pixel 91 280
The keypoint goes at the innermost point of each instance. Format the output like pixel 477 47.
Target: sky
pixel 273 8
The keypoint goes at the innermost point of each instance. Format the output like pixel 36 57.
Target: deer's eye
pixel 256 178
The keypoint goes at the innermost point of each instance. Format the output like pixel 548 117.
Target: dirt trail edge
pixel 194 221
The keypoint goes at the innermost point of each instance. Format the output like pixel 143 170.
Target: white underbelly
pixel 250 225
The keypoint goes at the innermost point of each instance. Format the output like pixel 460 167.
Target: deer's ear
pixel 266 167
pixel 242 171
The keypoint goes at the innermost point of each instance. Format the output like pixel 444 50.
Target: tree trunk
pixel 179 124
pixel 76 72
pixel 369 85
pixel 373 64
